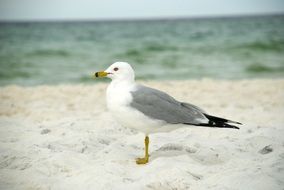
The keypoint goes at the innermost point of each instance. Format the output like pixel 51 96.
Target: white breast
pixel 118 95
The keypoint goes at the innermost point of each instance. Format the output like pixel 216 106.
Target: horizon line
pixel 140 18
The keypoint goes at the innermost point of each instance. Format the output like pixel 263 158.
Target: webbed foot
pixel 142 160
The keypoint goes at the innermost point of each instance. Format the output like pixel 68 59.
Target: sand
pixel 63 137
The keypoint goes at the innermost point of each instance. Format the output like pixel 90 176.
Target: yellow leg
pixel 146 158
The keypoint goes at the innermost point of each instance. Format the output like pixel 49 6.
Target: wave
pixel 140 54
pixel 13 74
pixel 258 68
pixel 50 52
pixel 158 47
pixel 264 46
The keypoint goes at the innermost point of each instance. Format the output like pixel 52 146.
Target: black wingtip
pixel 223 125
pixel 222 121
pixel 97 74
pixel 229 121
pixel 234 127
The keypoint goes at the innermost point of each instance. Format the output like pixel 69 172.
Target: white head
pixel 118 71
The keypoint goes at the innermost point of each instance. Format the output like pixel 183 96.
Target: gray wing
pixel 159 105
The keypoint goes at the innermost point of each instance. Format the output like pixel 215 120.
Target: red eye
pixel 115 69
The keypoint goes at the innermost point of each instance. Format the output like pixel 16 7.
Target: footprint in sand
pixel 202 155
pixel 170 150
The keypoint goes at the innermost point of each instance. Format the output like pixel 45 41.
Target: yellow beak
pixel 100 74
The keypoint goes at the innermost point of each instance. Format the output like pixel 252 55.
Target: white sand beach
pixel 63 137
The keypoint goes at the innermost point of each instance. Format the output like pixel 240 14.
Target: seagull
pixel 150 110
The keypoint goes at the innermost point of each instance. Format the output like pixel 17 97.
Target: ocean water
pixel 69 52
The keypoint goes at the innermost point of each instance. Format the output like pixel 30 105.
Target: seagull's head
pixel 118 71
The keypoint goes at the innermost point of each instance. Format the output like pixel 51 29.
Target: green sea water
pixel 68 52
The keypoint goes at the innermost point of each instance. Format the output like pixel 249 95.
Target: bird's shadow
pixel 172 150
pixel 204 156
